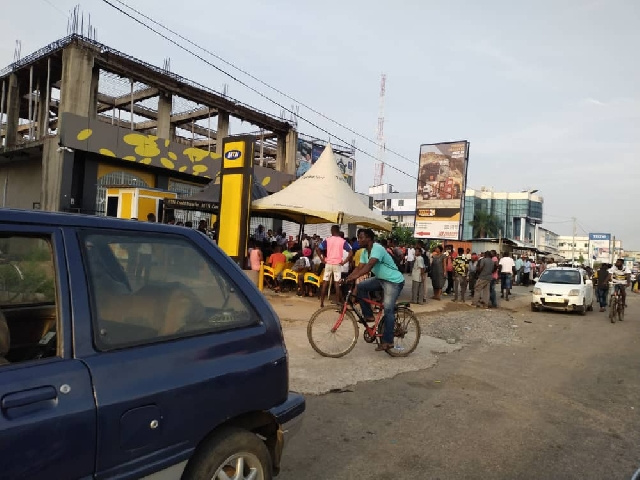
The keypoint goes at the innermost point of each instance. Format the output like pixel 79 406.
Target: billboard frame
pixel 462 194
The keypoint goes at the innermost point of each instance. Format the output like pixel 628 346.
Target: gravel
pixel 471 325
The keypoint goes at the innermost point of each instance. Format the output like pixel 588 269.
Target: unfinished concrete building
pixel 78 117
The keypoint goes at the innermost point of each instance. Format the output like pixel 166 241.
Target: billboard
pixel 308 153
pixel 442 178
pixel 599 248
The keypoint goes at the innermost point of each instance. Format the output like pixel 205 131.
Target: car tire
pixel 534 308
pixel 590 307
pixel 226 450
pixel 583 310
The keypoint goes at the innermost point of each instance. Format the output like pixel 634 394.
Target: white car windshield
pixel 563 277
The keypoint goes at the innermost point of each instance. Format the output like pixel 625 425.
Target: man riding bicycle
pixel 621 278
pixel 374 258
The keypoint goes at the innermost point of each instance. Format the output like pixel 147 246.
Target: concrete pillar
pixel 290 153
pixel 13 110
pixel 223 130
pixel 57 176
pixel 42 112
pixel 79 83
pixel 165 105
pixel 281 153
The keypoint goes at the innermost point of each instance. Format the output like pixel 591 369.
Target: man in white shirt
pixel 551 264
pixel 507 268
pixel 411 257
pixel 620 278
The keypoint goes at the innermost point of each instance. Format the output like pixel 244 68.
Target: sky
pixel 546 92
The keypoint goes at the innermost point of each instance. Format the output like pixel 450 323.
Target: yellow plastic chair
pixel 289 275
pixel 313 279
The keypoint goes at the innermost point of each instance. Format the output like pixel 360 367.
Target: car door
pixel 177 348
pixel 47 411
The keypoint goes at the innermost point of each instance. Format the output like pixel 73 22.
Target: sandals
pixel 383 347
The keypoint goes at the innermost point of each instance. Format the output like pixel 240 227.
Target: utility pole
pixel 378 176
pixel 500 243
pixel 613 251
pixel 573 243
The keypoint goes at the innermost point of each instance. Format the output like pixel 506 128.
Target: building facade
pixel 578 248
pixel 518 214
pixel 80 121
pixel 398 207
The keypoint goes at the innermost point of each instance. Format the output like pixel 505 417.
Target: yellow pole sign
pixel 236 179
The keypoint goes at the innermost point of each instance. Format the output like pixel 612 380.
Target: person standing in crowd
pixel 507 268
pixel 473 274
pixel 460 271
pixel 260 235
pixel 448 267
pixel 526 271
pixel 410 258
pixel 485 275
pixel 202 227
pixel 437 272
pixel 417 277
pixel 519 269
pixel 333 247
pixel 604 277
pixel 552 263
pixel 255 256
pixel 427 267
pixel 494 280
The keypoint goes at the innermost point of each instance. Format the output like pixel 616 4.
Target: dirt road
pixel 556 400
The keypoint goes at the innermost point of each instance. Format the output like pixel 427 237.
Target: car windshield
pixel 565 277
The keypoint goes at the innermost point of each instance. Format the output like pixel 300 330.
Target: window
pixel 28 314
pixel 401 203
pixel 151 288
pixel 563 277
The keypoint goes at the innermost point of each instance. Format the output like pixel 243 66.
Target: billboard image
pixel 308 153
pixel 442 178
pixel 599 248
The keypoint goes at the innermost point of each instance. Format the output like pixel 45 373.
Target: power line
pixel 57 8
pixel 275 89
pixel 241 82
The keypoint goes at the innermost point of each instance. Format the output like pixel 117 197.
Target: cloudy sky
pixel 547 92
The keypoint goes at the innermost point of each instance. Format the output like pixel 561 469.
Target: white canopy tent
pixel 320 196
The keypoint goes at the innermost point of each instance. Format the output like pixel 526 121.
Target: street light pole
pixel 573 243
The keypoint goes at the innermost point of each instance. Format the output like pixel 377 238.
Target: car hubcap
pixel 240 466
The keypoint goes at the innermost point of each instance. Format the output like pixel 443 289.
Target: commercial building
pixel 518 214
pixel 399 207
pixel 86 128
pixel 578 248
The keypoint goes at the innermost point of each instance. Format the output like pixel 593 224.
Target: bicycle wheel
pixel 620 312
pixel 612 309
pixel 406 333
pixel 328 341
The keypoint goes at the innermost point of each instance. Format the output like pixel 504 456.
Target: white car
pixel 564 288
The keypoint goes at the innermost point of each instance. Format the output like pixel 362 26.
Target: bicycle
pixel 616 304
pixel 335 337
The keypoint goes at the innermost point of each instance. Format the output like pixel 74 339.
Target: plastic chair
pixel 288 276
pixel 313 280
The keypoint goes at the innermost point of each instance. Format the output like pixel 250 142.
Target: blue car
pixel 135 350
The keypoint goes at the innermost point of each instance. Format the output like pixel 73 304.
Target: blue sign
pixel 599 236
pixel 233 154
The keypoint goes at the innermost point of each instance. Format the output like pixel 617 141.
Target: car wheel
pixel 583 309
pixel 230 453
pixel 534 308
pixel 590 306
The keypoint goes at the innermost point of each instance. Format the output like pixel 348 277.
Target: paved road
pixel 559 401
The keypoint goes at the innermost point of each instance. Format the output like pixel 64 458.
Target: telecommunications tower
pixel 379 166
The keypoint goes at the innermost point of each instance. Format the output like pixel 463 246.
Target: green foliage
pixel 26 282
pixel 485 225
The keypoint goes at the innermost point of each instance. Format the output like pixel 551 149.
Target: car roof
pixel 574 269
pixel 58 219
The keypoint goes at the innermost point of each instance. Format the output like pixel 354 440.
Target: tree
pixel 484 225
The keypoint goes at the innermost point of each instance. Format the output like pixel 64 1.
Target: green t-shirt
pixel 385 268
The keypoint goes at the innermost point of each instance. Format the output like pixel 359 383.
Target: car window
pixel 28 313
pixel 567 277
pixel 151 288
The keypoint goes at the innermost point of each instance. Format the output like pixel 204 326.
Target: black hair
pixel 367 232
